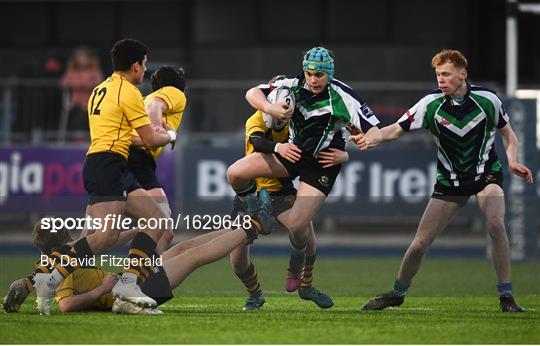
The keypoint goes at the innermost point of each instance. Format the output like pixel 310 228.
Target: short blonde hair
pixel 449 55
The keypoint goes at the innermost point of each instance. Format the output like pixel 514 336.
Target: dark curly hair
pixel 168 76
pixel 126 52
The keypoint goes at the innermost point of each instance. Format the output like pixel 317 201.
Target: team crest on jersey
pixel 324 181
pixel 490 178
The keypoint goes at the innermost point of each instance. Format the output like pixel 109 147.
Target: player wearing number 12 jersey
pixel 115 108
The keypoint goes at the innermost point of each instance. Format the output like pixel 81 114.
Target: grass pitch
pixel 451 301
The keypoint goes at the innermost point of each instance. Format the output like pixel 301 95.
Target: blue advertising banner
pixel 49 179
pixel 371 183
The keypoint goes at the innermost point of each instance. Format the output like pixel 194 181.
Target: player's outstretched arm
pixel 391 132
pixel 373 137
pixel 364 141
pixel 510 144
pixel 80 302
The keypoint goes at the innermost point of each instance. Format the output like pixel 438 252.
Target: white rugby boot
pixel 122 307
pixel 127 289
pixel 45 285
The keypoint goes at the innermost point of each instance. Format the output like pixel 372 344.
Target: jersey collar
pixel 465 97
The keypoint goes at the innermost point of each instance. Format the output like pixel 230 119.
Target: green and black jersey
pixel 464 133
pixel 318 120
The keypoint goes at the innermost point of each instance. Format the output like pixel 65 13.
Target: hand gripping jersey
pixel 115 108
pixel 318 120
pixel 464 133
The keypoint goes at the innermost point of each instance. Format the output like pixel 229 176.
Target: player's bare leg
pixel 436 217
pixel 491 202
pixel 142 250
pixel 306 290
pixel 190 243
pixel 245 271
pixel 180 266
pixel 158 194
pixel 252 166
pixel 297 220
pixel 241 176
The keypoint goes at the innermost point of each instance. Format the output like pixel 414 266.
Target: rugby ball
pixel 279 94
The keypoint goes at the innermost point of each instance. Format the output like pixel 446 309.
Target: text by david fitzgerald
pixel 103 260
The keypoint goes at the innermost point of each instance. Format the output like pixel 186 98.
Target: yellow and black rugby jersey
pixel 176 101
pixel 255 123
pixel 81 281
pixel 115 108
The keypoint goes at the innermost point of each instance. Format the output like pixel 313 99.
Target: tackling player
pixel 115 108
pixel 261 139
pixel 463 119
pixel 324 106
pixel 166 104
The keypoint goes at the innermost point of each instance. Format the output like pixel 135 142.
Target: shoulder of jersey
pixel 433 95
pixel 345 90
pixel 256 118
pixel 481 88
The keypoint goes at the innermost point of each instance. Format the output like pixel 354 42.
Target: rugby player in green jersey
pixel 323 108
pixel 463 119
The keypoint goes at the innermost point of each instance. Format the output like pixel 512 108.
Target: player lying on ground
pixel 90 288
pixel 262 136
pixel 462 119
pixel 324 106
pixel 46 241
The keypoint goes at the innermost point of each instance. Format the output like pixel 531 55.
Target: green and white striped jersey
pixel 318 120
pixel 464 133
